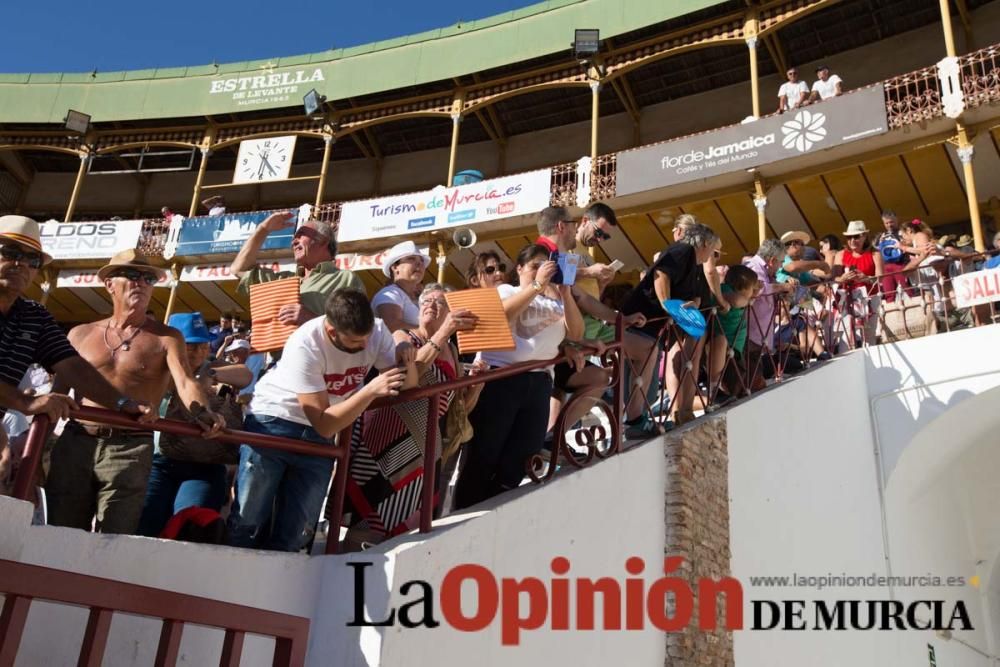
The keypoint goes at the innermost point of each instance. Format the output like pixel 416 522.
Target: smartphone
pixel 617 265
pixel 557 277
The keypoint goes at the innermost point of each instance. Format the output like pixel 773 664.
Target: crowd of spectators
pixel 789 300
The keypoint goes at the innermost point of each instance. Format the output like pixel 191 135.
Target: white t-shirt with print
pixel 310 363
pixel 394 295
pixel 828 88
pixel 792 92
pixel 537 332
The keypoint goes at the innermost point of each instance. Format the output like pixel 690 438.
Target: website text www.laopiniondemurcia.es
pixel 471 598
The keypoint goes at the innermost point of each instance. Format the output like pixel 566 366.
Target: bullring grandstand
pixel 878 462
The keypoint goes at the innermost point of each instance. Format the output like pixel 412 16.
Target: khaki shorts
pixel 99 477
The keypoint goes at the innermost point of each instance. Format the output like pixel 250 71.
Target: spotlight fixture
pixel 313 103
pixel 586 43
pixel 77 121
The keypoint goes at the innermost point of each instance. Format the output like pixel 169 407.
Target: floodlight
pixel 77 121
pixel 586 43
pixel 313 103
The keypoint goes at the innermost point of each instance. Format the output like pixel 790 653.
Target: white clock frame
pixel 258 160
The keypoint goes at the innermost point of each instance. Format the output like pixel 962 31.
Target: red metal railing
pixel 341 451
pixel 21 584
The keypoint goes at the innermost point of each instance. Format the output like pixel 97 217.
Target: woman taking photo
pixel 385 483
pixel 510 419
pixel 396 303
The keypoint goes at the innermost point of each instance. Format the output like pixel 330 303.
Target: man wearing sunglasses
pixel 99 471
pixel 29 334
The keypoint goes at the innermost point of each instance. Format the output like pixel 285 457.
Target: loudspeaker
pixel 464 238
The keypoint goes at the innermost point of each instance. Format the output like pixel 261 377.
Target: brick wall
pixel 697 522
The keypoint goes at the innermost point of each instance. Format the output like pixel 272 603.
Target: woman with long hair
pixel 510 419
pixel 486 270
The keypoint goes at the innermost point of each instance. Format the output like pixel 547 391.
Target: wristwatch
pixel 537 286
pixel 122 402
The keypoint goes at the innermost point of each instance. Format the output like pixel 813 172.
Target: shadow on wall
pixel 940 511
pixel 902 413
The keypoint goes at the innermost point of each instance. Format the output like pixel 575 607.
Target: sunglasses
pixel 492 268
pixel 135 276
pixel 600 234
pixel 32 260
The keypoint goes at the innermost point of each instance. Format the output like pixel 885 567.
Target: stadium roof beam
pixel 777 51
pixel 624 91
pixel 963 14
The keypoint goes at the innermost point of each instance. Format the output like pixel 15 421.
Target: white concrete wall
pixel 807 495
pixel 596 518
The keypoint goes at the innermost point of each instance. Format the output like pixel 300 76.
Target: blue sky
pixel 111 35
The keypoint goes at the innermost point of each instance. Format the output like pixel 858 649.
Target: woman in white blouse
pixel 396 303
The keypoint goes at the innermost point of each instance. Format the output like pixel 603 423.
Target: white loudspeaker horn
pixel 464 238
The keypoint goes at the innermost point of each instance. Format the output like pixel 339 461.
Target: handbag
pixel 203 450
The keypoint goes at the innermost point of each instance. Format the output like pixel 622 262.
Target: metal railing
pixel 22 583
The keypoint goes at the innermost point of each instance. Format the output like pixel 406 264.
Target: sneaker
pixel 641 429
pixel 823 356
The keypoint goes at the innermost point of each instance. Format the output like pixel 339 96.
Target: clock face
pixel 264 160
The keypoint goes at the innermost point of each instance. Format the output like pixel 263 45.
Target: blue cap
pixel 192 327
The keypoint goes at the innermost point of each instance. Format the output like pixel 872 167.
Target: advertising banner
pixel 89 240
pixel 218 234
pixel 88 278
pixel 361 262
pixel 444 208
pixel 196 273
pixel 856 115
pixel 978 287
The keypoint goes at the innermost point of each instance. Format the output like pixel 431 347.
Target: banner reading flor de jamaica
pixel 443 208
pixel 836 121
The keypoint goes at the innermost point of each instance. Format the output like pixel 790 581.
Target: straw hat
pixel 131 259
pixel 402 251
pixel 24 232
pixel 795 236
pixel 856 228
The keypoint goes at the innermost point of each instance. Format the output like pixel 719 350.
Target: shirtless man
pixel 102 471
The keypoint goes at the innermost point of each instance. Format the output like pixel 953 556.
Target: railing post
pixel 95 638
pixel 12 618
pixel 619 391
pixel 430 451
pixel 32 456
pixel 339 490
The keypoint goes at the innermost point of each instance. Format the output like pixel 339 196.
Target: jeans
pixel 278 494
pixel 508 427
pixel 176 485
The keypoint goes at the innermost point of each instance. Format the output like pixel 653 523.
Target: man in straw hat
pixel 314 247
pixel 101 471
pixel 28 335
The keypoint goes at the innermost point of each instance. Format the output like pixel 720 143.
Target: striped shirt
pixel 29 334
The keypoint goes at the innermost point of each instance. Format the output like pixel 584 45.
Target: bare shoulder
pixel 161 330
pixel 82 331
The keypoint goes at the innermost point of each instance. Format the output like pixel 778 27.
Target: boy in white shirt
pixel 316 390
pixel 826 86
pixel 793 93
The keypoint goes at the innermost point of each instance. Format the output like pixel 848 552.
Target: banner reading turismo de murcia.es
pixel 817 127
pixel 444 208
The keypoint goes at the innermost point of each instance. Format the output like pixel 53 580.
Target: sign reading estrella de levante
pixel 441 208
pixel 268 87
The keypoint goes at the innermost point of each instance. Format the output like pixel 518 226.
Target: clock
pixel 264 160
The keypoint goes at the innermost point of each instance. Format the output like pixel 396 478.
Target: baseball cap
pixel 192 327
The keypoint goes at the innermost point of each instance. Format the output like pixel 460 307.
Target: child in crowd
pixel 739 286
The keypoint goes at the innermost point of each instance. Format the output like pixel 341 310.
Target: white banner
pixel 978 287
pixel 444 208
pixel 89 240
pixel 360 262
pixel 88 278
pixel 196 273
